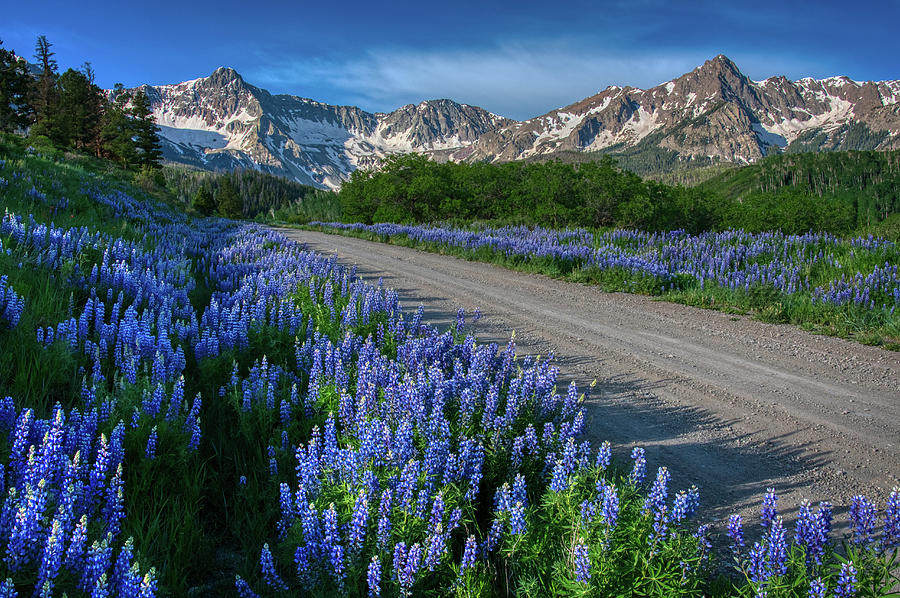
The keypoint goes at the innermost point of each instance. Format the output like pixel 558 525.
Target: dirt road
pixel 727 403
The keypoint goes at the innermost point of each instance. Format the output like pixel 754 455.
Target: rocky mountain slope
pixel 222 122
pixel 714 112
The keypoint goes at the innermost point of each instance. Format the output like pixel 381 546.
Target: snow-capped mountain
pixel 714 111
pixel 222 122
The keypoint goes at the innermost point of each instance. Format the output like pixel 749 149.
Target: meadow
pixel 201 407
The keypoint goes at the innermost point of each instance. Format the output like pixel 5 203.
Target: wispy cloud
pixel 519 80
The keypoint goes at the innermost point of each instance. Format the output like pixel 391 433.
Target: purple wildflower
pixel 863 519
pixel 373 577
pixel 736 533
pixel 768 511
pixel 582 563
pixel 846 585
pixel 604 455
pixel 639 471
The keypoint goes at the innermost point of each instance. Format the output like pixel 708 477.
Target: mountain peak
pixel 718 64
pixel 713 112
pixel 225 75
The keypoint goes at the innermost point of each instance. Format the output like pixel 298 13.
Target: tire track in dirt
pixel 727 403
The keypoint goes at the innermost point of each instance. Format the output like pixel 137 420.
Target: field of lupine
pixel 200 407
pixel 849 287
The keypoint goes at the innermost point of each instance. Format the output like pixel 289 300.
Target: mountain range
pixel 714 113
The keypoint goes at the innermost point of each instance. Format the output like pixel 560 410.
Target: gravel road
pixel 727 403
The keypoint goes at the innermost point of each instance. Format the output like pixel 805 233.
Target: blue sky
pixel 518 59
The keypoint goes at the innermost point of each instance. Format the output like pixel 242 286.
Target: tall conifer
pixel 15 109
pixel 44 94
pixel 146 133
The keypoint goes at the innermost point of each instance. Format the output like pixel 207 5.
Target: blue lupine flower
pixel 582 563
pixel 273 580
pixel 812 532
pixel 758 571
pixel 519 491
pixel 413 561
pixel 736 533
pixel 358 524
pixel 863 519
pixel 243 588
pixel 656 498
pixel 468 557
pixel 891 536
pixel 768 512
pixel 776 556
pixel 460 320
pixel 604 455
pixel 639 471
pixel 660 529
pixel 435 547
pixel 150 451
pixel 399 562
pixel 817 589
pixel 373 577
pixel 686 504
pixel 336 559
pixel 702 536
pixel 610 506
pixel 495 534
pixel 846 584
pixel 560 480
pixel 517 519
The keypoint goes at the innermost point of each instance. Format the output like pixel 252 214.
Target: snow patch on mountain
pixel 769 138
pixel 222 122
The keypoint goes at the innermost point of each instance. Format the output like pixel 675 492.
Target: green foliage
pixel 624 553
pixel 837 193
pixel 146 138
pixel 230 204
pixel 263 196
pixel 45 96
pixel 850 136
pixel 203 202
pixel 80 109
pixel 15 111
pixel 70 111
pixel 593 193
pixel 116 134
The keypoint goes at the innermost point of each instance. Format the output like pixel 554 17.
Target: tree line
pixel 69 110
pixel 865 183
pixel 241 193
pixel 414 189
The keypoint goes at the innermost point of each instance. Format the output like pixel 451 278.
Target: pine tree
pixel 96 104
pixel 15 110
pixel 204 202
pixel 44 94
pixel 146 133
pixel 80 109
pixel 116 130
pixel 230 203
